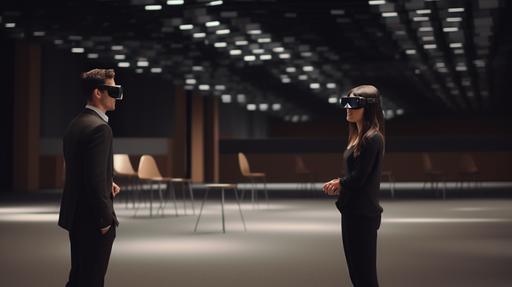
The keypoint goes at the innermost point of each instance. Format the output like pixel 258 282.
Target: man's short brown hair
pixel 94 78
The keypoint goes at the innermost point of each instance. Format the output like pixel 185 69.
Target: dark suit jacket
pixel 88 185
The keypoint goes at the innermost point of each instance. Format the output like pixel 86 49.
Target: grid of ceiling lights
pixel 448 70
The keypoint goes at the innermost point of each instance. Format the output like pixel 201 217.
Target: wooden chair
pixel 253 178
pixel 123 168
pixel 468 170
pixel 434 176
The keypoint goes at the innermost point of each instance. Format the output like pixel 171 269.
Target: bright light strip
pixel 77 50
pixel 333 100
pixel 241 98
pixel 430 46
pixel 331 85
pixel 175 2
pixel 291 69
pixel 186 27
pixel 220 87
pixel 264 40
pixel 117 48
pixel 284 56
pixel 450 29
pixel 285 80
pixel 276 107
pixel 278 49
pixel 152 7
pixel 251 107
pixel 455 45
pixel 254 32
pixel 425 29
pixel 197 68
pixel 418 19
pixel 39 33
pixel 307 68
pixel 389 14
pixel 226 98
pixel 212 24
pixel 423 11
pixel 92 56
pixel 455 10
pixel 454 19
pixel 222 32
pixel 235 52
pixel 241 43
pixel 123 64
pixel 306 54
pixel 119 57
pixel 204 87
pixel 303 77
pixel 190 81
pixel 376 2
pixel 258 51
pixel 156 70
pixel 314 86
pixel 10 25
pixel 263 107
pixel 220 44
pixel 410 52
pixel 249 58
pixel 199 35
pixel 215 3
pixel 139 71
pixel 427 38
pixel 265 57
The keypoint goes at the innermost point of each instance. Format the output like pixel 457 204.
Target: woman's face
pixel 354 115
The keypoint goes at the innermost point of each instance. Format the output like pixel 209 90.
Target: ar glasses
pixel 356 102
pixel 114 91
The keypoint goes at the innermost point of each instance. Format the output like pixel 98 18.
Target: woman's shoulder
pixel 375 138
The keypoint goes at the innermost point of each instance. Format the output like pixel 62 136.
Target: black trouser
pixel 360 246
pixel 90 253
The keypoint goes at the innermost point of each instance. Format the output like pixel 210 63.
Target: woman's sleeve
pixel 364 163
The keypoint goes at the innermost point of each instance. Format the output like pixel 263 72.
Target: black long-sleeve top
pixel 360 186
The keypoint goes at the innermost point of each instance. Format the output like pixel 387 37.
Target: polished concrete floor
pixel 290 242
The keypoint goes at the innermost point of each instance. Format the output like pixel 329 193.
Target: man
pixel 87 210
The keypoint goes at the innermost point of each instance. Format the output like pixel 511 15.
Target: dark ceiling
pixel 292 58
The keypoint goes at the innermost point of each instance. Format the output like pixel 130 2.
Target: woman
pixel 357 192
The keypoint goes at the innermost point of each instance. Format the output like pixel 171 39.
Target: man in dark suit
pixel 87 210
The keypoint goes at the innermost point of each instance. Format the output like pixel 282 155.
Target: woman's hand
pixel 332 187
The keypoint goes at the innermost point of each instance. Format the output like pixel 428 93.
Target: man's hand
pixel 332 187
pixel 115 189
pixel 104 230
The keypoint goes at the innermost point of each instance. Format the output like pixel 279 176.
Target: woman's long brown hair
pixel 373 118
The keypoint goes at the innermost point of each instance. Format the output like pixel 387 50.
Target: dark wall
pixel 146 110
pixel 237 123
pixel 6 111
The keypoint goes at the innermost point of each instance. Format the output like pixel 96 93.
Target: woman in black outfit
pixel 357 191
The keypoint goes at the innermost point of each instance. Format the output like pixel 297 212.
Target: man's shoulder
pixel 85 122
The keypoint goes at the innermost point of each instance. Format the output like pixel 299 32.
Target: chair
pixel 148 171
pixel 303 172
pixel 434 176
pixel 468 170
pixel 253 177
pixel 222 187
pixel 123 168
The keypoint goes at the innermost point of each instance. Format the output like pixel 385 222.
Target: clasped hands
pixel 332 187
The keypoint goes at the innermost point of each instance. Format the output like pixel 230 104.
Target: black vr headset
pixel 356 102
pixel 114 91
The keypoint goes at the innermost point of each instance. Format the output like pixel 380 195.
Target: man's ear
pixel 96 93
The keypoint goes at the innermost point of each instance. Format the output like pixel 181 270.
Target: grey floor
pixel 293 242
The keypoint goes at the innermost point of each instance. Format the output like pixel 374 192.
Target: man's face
pixel 106 101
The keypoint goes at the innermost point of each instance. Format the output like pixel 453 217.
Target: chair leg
pixel 191 193
pixel 265 190
pixel 240 209
pixel 222 210
pixel 201 210
pixel 175 202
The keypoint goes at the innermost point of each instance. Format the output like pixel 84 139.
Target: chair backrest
pixel 427 162
pixel 122 165
pixel 243 164
pixel 148 168
pixel 300 166
pixel 468 164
